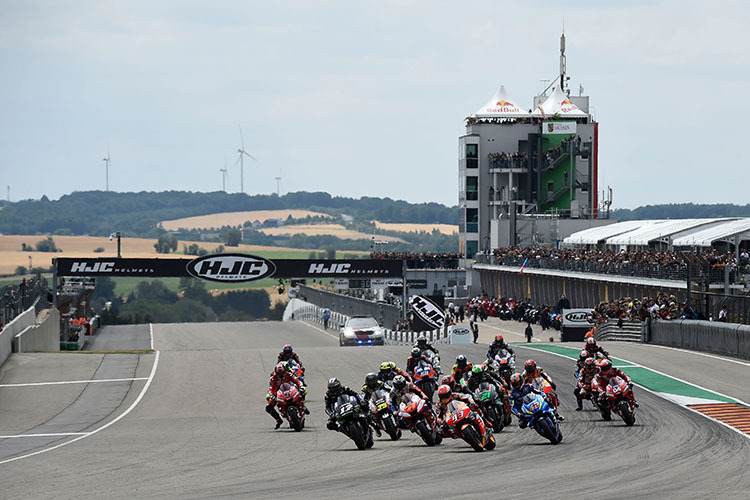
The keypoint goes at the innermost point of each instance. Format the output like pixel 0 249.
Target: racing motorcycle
pixel 289 402
pixel 434 360
pixel 491 402
pixel 418 415
pixel 297 370
pixel 382 413
pixel 352 422
pixel 425 377
pixel 503 365
pixel 619 400
pixel 541 417
pixel 469 426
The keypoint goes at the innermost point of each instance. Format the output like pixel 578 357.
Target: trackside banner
pixel 229 267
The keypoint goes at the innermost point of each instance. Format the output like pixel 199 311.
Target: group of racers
pixel 593 372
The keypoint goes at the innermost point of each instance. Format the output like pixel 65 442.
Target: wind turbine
pixel 106 164
pixel 224 177
pixel 242 154
pixel 278 183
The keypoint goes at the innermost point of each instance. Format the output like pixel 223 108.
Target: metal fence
pixel 17 298
pixel 386 314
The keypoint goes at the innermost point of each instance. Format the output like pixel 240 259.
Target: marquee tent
pixel 501 106
pixel 594 235
pixel 558 105
pixel 732 231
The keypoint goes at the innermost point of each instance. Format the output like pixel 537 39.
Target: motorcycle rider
pixel 592 348
pixel 287 354
pixel 413 360
pixel 518 390
pixel 582 357
pixel 401 387
pixel 605 373
pixel 451 382
pixel 336 389
pixel 388 370
pixel 281 375
pixel 533 372
pixel 462 368
pixel 445 396
pixel 424 345
pixel 498 345
pixel 585 377
pixel 372 384
pixel 480 374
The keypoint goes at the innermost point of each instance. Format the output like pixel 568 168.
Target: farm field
pixel 11 255
pixel 407 227
pixel 233 219
pixel 319 229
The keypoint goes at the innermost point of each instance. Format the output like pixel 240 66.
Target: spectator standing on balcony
pixel 723 315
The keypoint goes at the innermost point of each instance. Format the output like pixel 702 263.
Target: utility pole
pixel 106 166
pixel 278 184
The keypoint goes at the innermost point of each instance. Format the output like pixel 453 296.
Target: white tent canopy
pixel 594 235
pixel 657 230
pixel 501 106
pixel 722 232
pixel 558 104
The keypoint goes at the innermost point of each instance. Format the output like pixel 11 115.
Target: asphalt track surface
pixel 199 430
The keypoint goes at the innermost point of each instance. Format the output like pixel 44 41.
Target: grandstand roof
pixel 501 106
pixel 656 230
pixel 705 237
pixel 594 235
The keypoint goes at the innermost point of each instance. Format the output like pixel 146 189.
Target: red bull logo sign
pixel 503 106
pixel 566 106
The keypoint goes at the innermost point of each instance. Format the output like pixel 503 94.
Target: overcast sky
pixel 361 98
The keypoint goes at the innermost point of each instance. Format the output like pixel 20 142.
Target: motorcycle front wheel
pixel 627 415
pixel 425 433
pixel 357 436
pixel 546 431
pixel 294 420
pixel 471 436
pixel 390 427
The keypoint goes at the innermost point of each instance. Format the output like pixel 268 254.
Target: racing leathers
pixel 425 346
pixel 387 376
pixel 459 373
pixel 596 351
pixel 473 382
pixel 442 407
pixel 330 402
pixel 583 387
pixel 551 396
pixel 496 347
pixel 516 396
pixel 413 361
pixel 367 391
pixel 601 380
pixel 274 384
pixel 396 397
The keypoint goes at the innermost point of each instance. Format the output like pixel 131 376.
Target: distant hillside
pixel 682 211
pixel 137 214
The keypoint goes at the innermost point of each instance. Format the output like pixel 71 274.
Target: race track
pixel 200 431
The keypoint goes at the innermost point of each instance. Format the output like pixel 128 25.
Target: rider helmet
pixel 515 380
pixel 416 352
pixel 387 366
pixel 371 380
pixel 530 366
pixel 605 366
pixel 399 382
pixel 461 361
pixel 499 339
pixel 287 349
pixel 444 392
pixel 591 344
pixel 281 369
pixel 477 369
pixel 334 386
pixel 421 340
pixel 589 364
pixel 583 354
pixel 446 380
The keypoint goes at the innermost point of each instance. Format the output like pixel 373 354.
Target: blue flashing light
pixel 369 341
pixel 359 342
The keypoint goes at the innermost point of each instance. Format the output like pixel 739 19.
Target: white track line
pixel 722 358
pixel 51 434
pixel 32 384
pixel 662 397
pixel 320 330
pixel 87 434
pixel 151 334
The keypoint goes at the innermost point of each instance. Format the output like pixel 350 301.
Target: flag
pixel 525 264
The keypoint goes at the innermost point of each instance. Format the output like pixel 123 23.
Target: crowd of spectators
pixel 508 160
pixel 424 260
pixel 663 264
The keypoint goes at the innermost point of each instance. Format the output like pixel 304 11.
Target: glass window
pixel 472 182
pixel 472 215
pixel 472 150
pixel 472 163
pixel 471 249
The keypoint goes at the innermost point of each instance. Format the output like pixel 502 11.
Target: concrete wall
pixel 721 338
pixel 386 314
pixel 42 336
pixel 9 332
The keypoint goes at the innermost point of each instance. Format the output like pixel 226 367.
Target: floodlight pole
pixel 117 235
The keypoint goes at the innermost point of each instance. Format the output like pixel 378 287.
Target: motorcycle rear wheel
pixel 491 443
pixel 425 433
pixel 295 422
pixel 627 415
pixel 356 435
pixel 471 436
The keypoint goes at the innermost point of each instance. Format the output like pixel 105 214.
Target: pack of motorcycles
pixel 476 428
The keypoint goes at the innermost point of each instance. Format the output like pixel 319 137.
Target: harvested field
pixel 413 228
pixel 233 219
pixel 11 255
pixel 319 229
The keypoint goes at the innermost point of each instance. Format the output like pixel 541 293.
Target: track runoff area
pixel 187 421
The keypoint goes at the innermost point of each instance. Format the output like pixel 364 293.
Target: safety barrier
pixel 300 310
pixel 721 338
pixel 44 335
pixel 630 331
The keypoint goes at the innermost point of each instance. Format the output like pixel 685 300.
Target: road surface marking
pixel 64 382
